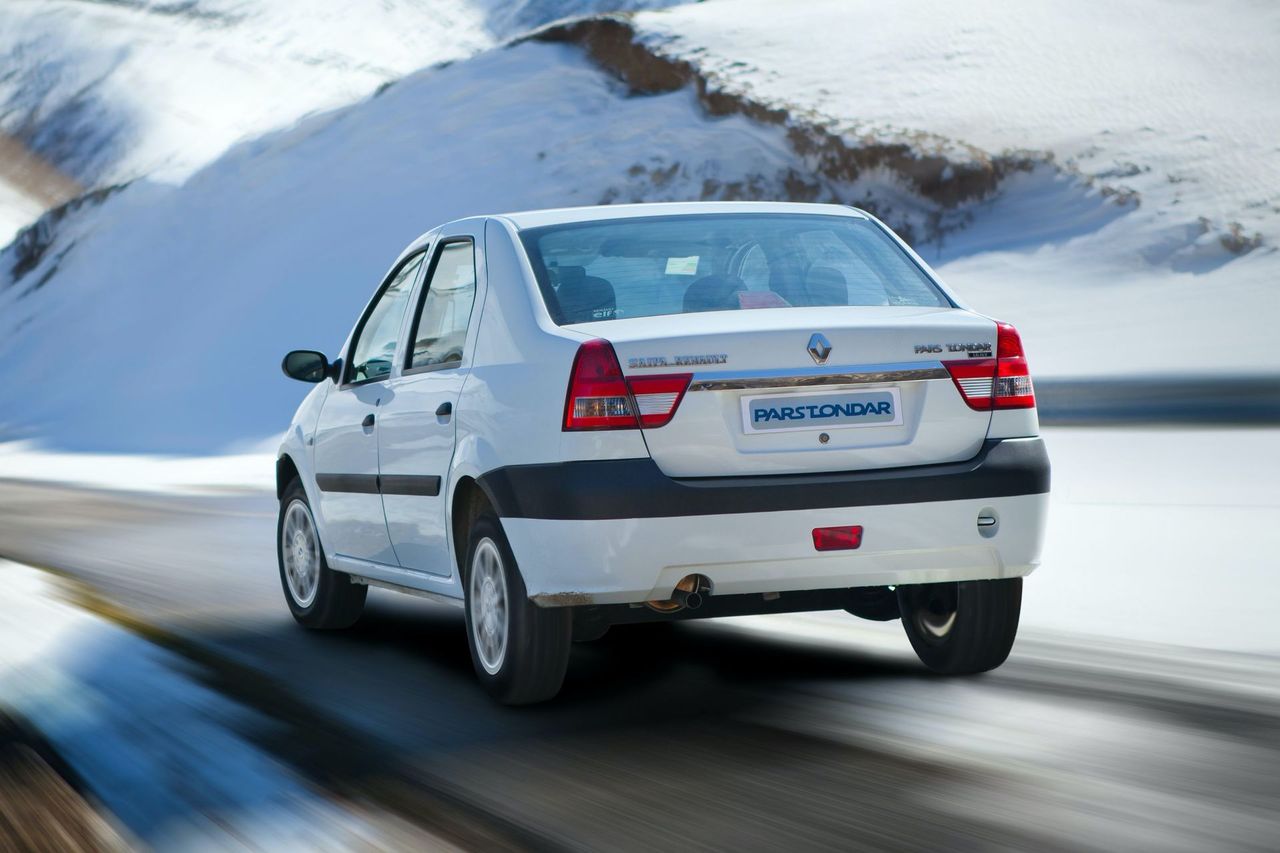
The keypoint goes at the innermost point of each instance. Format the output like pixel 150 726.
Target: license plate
pixel 831 410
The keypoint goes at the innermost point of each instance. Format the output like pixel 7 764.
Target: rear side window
pixel 440 329
pixel 687 264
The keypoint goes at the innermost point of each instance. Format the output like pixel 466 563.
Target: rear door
pixel 416 431
pixel 346 441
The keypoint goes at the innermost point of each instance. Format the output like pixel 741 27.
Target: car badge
pixel 819 348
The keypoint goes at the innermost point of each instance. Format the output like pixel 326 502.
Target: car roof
pixel 599 213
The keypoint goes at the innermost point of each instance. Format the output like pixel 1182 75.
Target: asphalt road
pixel 797 732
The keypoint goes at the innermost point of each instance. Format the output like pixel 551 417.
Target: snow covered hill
pixel 152 318
pixel 112 90
pixel 1174 107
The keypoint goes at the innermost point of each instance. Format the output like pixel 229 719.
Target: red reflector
pixel 837 538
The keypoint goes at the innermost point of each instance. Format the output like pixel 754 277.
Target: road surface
pixel 797 732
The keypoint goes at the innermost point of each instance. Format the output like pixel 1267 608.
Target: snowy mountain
pixel 1051 174
pixel 107 91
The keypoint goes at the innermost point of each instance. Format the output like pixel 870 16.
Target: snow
pixel 183 290
pixel 17 210
pixel 113 91
pixel 243 472
pixel 163 753
pixel 1176 105
pixel 1174 100
pixel 184 299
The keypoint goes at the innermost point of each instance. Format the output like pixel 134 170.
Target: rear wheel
pixel 520 651
pixel 318 596
pixel 960 628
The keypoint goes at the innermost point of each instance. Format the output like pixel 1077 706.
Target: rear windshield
pixel 685 264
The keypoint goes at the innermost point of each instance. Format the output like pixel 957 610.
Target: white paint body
pixel 508 397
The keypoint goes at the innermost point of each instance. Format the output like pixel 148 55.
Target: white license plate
pixel 826 410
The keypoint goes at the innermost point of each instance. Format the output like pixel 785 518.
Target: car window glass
pixel 754 269
pixel 682 264
pixel 824 249
pixel 441 327
pixel 375 348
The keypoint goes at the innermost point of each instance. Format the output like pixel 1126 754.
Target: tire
pixel 331 601
pixel 520 651
pixel 962 628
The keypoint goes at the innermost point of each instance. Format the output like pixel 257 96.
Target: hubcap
pixel 300 553
pixel 487 598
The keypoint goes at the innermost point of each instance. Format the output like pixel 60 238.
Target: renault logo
pixel 819 347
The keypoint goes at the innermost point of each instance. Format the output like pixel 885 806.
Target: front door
pixel 416 432
pixel 346 448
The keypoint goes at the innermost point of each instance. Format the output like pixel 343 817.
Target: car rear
pixel 818 413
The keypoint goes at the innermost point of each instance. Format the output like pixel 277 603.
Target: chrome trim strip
pixel 859 374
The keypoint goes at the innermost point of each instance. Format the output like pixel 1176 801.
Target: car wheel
pixel 318 596
pixel 520 651
pixel 960 628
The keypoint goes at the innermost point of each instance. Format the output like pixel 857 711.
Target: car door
pixel 346 439
pixel 416 433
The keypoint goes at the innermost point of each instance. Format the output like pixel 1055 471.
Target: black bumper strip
pixel 422 485
pixel 360 484
pixel 636 488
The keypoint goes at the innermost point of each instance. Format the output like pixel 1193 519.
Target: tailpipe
pixel 687 595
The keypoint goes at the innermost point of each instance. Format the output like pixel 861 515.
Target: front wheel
pixel 520 651
pixel 318 596
pixel 961 628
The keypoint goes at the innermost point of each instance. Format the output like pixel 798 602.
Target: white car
pixel 568 419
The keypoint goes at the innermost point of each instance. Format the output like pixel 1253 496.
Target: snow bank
pixel 140 473
pixel 160 751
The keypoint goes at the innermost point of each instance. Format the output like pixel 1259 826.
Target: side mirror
pixel 306 366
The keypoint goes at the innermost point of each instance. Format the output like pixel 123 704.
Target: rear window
pixel 686 264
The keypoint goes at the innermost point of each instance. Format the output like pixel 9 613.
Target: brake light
pixel 600 397
pixel 1003 382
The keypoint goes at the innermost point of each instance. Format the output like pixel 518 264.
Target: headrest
pixel 584 298
pixel 713 293
pixel 826 286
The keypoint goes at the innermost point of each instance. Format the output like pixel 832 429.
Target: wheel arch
pixel 470 501
pixel 286 473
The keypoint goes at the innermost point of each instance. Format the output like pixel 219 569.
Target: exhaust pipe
pixel 686 596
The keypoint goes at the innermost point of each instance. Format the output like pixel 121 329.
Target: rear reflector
pixel 1003 382
pixel 837 538
pixel 600 397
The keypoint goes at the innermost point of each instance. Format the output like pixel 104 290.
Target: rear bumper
pixel 619 531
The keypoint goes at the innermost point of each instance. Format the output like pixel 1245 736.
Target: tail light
pixel 600 397
pixel 1003 382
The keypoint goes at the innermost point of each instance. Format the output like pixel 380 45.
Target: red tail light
pixel 1003 382
pixel 601 398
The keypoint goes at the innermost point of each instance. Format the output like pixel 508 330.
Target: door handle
pixel 444 410
pixel 368 421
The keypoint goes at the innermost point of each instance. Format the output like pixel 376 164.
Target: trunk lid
pixel 760 403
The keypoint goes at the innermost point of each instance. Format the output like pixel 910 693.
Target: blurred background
pixel 189 188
